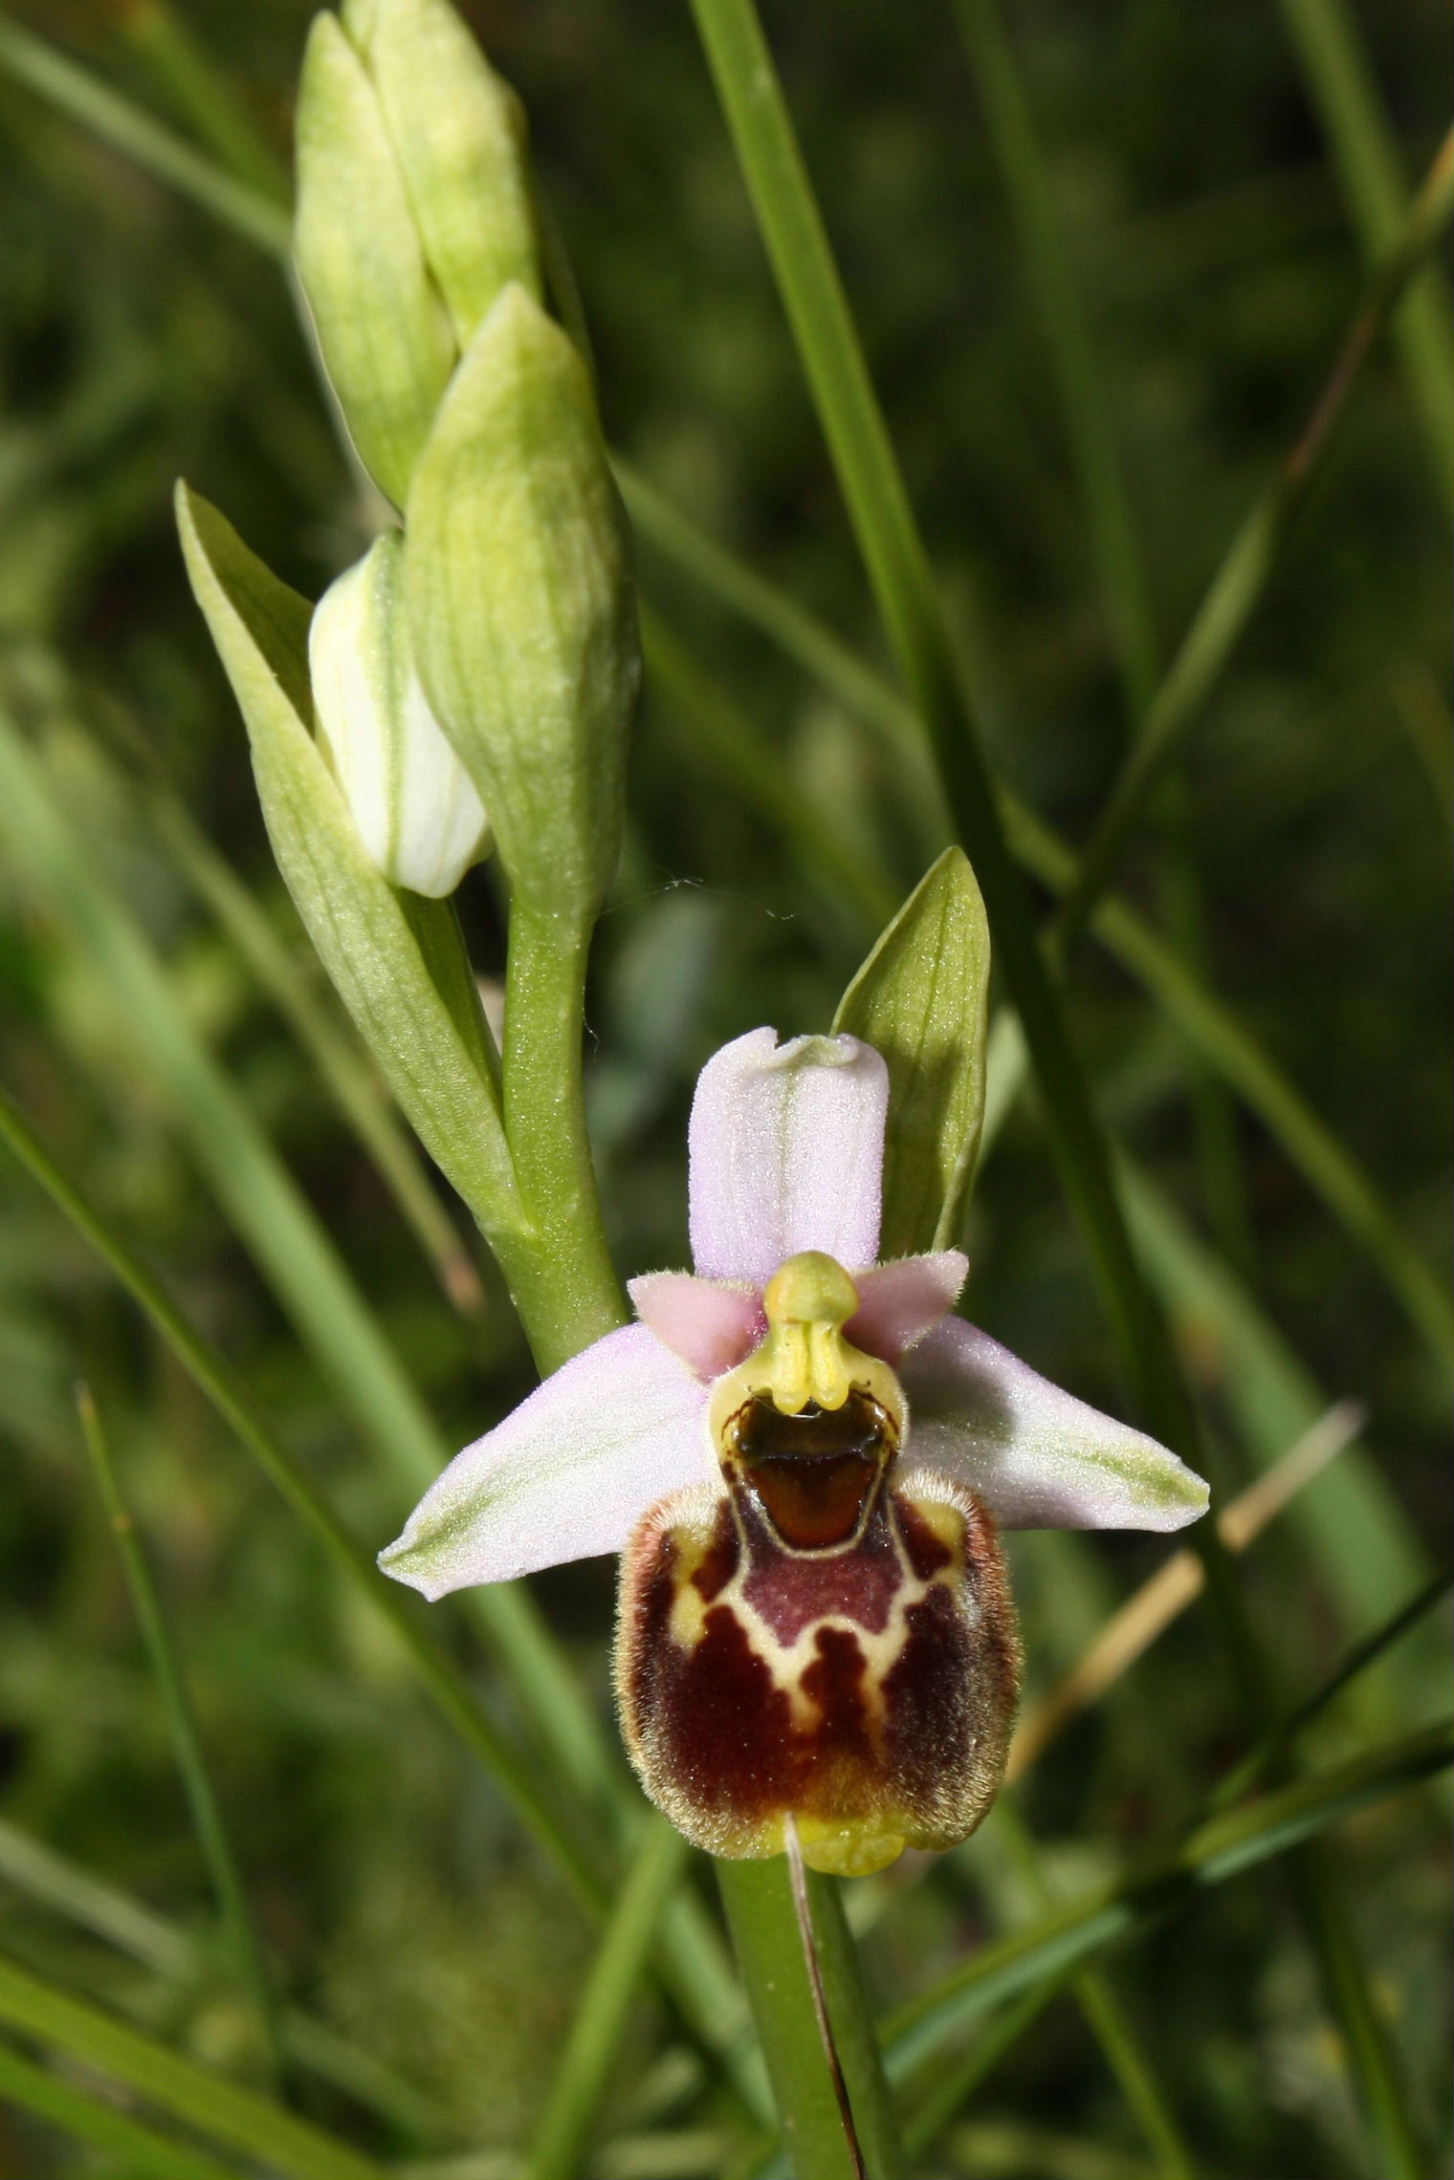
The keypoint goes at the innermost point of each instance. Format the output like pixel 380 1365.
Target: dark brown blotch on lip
pixel 912 1744
pixel 814 1474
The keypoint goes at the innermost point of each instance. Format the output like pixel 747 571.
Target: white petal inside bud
pixel 418 813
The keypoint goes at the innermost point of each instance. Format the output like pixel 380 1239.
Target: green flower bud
pixel 459 136
pixel 383 333
pixel 417 813
pixel 521 603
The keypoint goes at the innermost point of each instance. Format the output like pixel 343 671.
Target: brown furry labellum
pixel 830 1638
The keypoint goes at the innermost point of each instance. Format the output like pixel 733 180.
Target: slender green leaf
pixel 341 1065
pixel 921 999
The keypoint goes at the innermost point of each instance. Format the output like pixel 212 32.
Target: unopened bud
pixel 459 136
pixel 384 335
pixel 414 806
pixel 414 210
pixel 521 602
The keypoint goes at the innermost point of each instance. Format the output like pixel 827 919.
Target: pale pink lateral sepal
pixel 1039 1458
pixel 786 1154
pixel 712 1326
pixel 568 1473
pixel 899 1302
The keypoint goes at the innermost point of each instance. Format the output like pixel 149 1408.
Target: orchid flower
pixel 804 1458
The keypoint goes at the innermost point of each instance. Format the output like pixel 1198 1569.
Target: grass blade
pixel 89 1903
pixel 36 2089
pixel 337 1057
pixel 243 1943
pixel 1069 348
pixel 1237 589
pixel 1326 38
pixel 1214 1852
pixel 285 1238
pixel 117 121
pixel 217 2107
pixel 216 1379
pixel 583 2070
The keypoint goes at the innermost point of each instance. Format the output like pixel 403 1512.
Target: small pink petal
pixel 568 1473
pixel 786 1146
pixel 712 1326
pixel 1037 1456
pixel 899 1302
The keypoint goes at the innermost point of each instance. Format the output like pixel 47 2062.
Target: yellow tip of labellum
pixel 847 1850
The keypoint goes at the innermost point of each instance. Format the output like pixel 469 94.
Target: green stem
pixel 759 1903
pixel 565 1286
pixel 212 1835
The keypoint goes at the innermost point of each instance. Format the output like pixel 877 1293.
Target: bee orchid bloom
pixel 804 1460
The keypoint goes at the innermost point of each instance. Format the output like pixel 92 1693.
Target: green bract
pixel 520 594
pixel 399 971
pixel 384 335
pixel 459 136
pixel 920 1000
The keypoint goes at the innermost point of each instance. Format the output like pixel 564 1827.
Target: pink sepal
pixel 712 1326
pixel 901 1301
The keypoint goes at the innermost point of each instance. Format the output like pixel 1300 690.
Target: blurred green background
pixel 1298 862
